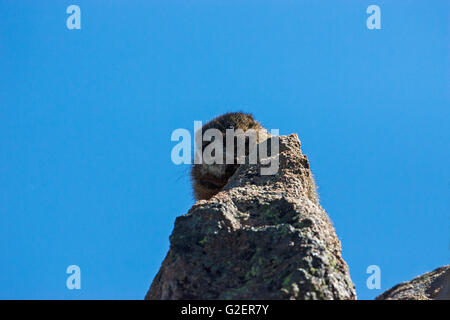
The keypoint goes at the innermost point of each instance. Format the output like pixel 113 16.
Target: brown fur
pixel 205 181
pixel 208 180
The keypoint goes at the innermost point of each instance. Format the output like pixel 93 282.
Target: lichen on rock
pixel 261 237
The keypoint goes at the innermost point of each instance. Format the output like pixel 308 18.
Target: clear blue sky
pixel 86 117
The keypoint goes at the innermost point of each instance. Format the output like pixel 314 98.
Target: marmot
pixel 209 179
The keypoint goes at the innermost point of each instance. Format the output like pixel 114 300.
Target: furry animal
pixel 209 179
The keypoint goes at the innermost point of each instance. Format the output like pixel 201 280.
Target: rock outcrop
pixel 434 285
pixel 262 237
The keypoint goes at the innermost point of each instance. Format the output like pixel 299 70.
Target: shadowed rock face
pixel 434 285
pixel 262 237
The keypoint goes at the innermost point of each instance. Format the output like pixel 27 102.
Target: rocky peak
pixel 261 237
